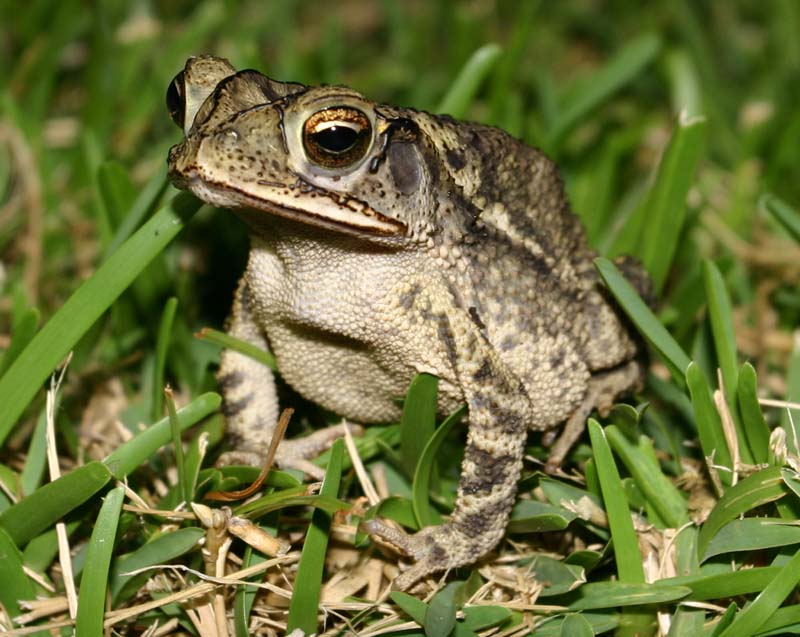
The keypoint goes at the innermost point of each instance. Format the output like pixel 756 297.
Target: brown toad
pixel 388 242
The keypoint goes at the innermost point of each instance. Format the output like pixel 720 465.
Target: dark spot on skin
pixel 407 299
pixel 557 359
pixel 438 555
pixel 232 407
pixel 455 159
pixel 491 470
pixel 477 524
pixel 484 372
pixel 508 343
pixel 446 338
pixel 230 380
pixel 473 314
pixel 501 420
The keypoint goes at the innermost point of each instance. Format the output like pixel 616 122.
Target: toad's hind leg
pixel 602 389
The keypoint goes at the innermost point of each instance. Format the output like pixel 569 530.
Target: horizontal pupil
pixel 336 139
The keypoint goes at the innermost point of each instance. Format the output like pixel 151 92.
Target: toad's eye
pixel 337 137
pixel 176 100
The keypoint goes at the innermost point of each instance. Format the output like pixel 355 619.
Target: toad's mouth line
pixel 349 214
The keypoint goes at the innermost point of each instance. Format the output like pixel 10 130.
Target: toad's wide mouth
pixel 300 202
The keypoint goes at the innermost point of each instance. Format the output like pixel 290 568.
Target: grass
pixel 676 132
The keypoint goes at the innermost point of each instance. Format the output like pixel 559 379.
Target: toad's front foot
pixel 434 549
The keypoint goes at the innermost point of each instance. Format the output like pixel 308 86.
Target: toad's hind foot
pixel 434 549
pixel 603 389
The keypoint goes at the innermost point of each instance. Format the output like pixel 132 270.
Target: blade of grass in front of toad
pixel 418 420
pixel 48 348
pixel 305 599
pixel 94 581
pixel 626 546
pixel 238 345
pixel 642 316
pixel 626 551
pixel 423 476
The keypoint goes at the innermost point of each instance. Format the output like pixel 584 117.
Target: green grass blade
pixel 48 348
pixel 423 476
pixel 793 395
pixel 721 317
pixel 45 506
pixel 750 619
pixel 238 345
pixel 653 230
pixel 94 582
pixel 752 534
pixel 618 71
pixel 656 487
pixel 782 619
pixel 35 461
pixel 685 85
pixel 463 90
pixel 161 550
pixel 785 214
pixel 162 345
pixel 646 322
pixel 246 595
pixel 626 547
pixel 765 486
pixel 130 455
pixel 418 420
pixel 415 608
pixel 440 618
pixel 15 583
pixel 576 625
pixel 610 594
pixel 753 423
pixel 709 425
pixel 305 600
pixel 177 446
pixel 724 585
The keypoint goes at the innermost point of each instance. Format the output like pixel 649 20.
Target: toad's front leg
pixel 251 403
pixel 499 411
